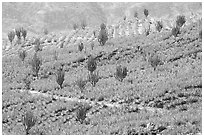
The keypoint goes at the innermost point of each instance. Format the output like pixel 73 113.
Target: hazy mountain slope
pixel 60 16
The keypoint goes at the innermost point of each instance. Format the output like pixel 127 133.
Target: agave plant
pixel 29 121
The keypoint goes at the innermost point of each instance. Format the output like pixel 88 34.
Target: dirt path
pixel 98 103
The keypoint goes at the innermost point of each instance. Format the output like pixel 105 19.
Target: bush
pixel 60 76
pixel 36 64
pixel 93 78
pixel 22 54
pixel 28 121
pixel 159 26
pixel 75 26
pixel 121 73
pixel 103 37
pixel 80 46
pixel 81 84
pixel 91 64
pixel 175 31
pixel 180 20
pixel 11 36
pixel 146 12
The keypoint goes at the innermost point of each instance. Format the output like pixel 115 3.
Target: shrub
pixel 60 76
pixel 22 54
pixel 81 84
pixel 24 33
pixel 180 20
pixel 175 31
pixel 80 46
pixel 83 24
pixel 159 26
pixel 146 12
pixel 154 60
pixel 36 62
pixel 91 64
pixel 75 26
pixel 121 73
pixel 11 36
pixel 93 78
pixel 103 37
pixel 28 121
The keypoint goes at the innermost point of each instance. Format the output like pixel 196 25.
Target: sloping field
pixel 167 100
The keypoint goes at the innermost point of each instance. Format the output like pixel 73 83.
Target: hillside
pixel 61 16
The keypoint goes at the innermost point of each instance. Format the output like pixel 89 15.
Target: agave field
pixel 132 85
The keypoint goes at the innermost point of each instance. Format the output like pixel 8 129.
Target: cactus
pixel 60 76
pixel 28 121
pixel 11 36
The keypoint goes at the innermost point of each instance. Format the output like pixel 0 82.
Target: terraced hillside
pixel 166 99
